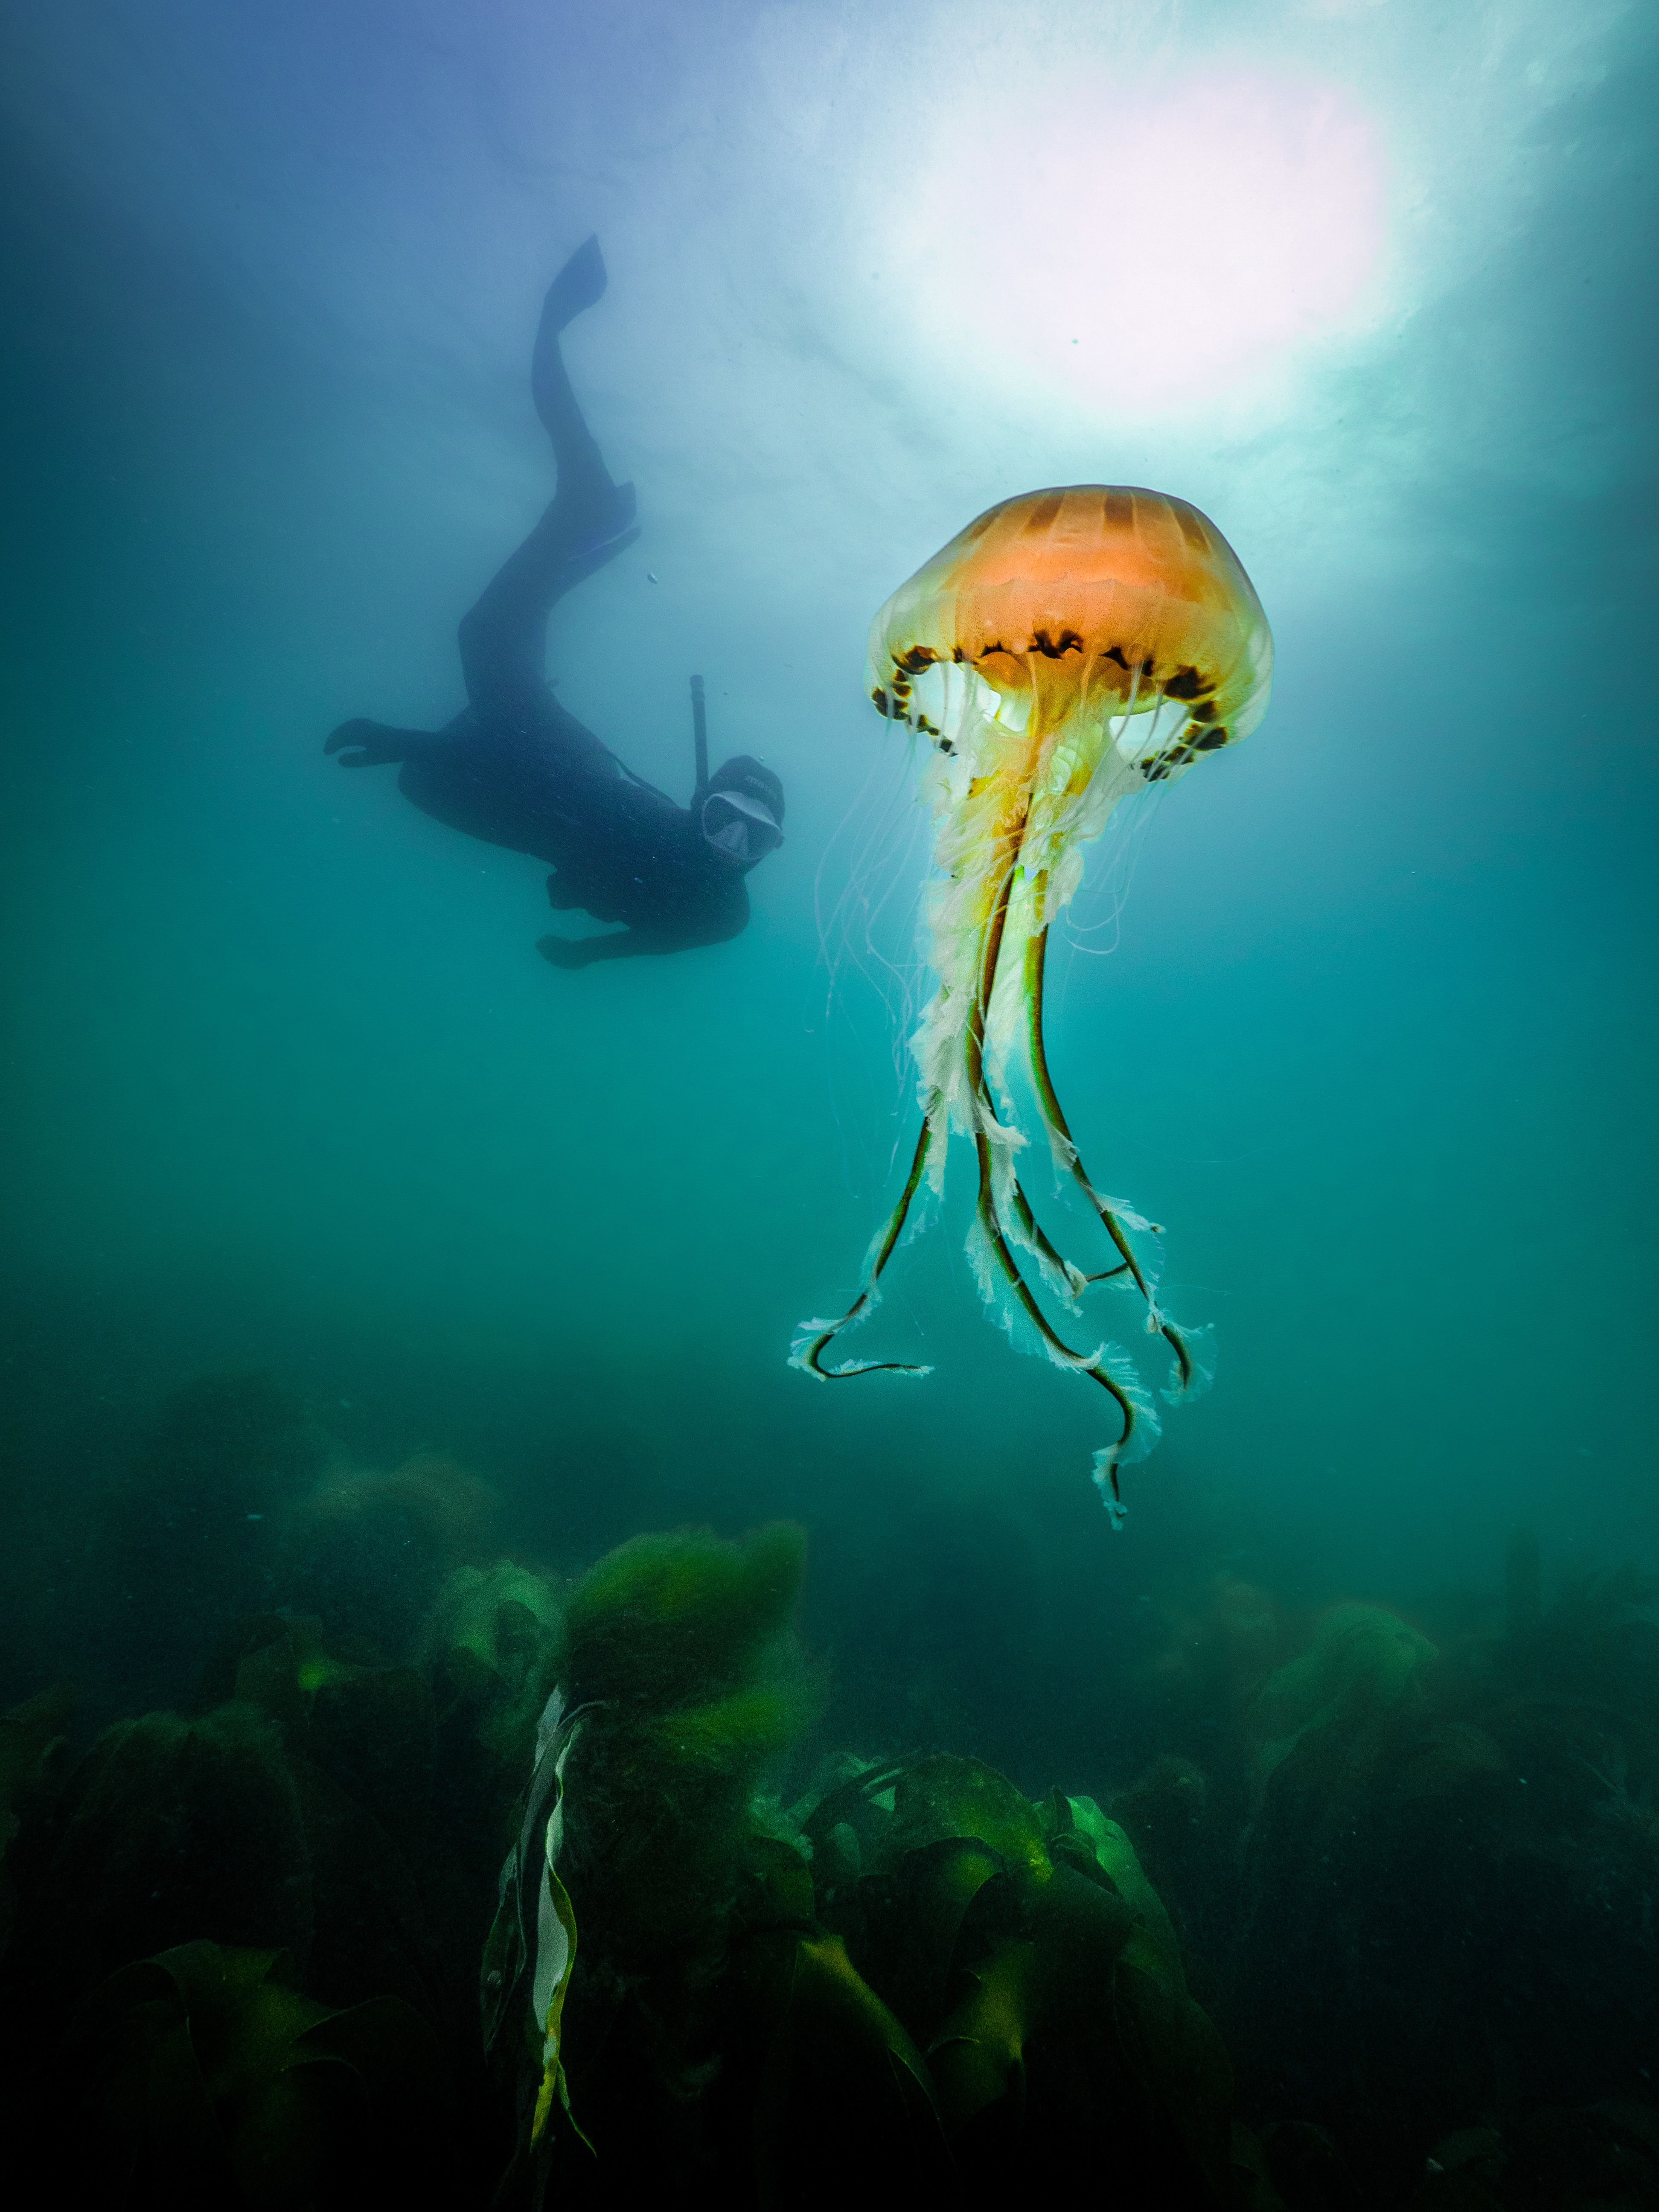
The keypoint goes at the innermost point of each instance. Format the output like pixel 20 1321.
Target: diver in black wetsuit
pixel 516 769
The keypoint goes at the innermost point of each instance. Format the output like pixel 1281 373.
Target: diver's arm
pixel 630 943
pixel 620 945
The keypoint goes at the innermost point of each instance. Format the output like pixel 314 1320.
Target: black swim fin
pixel 579 285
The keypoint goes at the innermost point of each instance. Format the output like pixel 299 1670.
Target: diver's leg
pixel 502 638
pixel 594 509
pixel 584 479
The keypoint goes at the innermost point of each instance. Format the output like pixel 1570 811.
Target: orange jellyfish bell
pixel 1066 649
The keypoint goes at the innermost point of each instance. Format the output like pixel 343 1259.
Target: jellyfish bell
pixel 1080 597
pixel 1069 648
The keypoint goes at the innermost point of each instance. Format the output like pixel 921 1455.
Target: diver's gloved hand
pixel 364 744
pixel 566 951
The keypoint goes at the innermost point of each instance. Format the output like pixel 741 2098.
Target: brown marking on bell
pixel 1042 514
pixel 1119 505
pixel 1069 641
pixel 928 729
pixel 1115 653
pixel 986 652
pixel 1203 712
pixel 958 654
pixel 1211 741
pixel 944 745
pixel 879 699
pixel 1188 683
pixel 918 658
pixel 1191 523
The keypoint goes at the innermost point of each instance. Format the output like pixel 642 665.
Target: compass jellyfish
pixel 1065 650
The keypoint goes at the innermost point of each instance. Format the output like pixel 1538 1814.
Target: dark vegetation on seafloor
pixel 1375 1926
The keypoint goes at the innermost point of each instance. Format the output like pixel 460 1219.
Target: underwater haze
pixel 1361 1010
pixel 287 1085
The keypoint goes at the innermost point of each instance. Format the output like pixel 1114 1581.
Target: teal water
pixel 288 1084
pixel 287 1087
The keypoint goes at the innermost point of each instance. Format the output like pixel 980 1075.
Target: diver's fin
pixel 614 514
pixel 592 558
pixel 578 285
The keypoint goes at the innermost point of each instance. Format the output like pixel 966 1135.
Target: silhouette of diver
pixel 516 769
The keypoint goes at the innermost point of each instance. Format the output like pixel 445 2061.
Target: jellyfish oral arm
pixel 813 1337
pixel 964 1041
pixel 988 925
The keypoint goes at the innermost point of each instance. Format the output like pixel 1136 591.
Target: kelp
pixel 167 1827
pixel 370 1550
pixel 207 2078
pixel 1419 1870
pixel 679 1684
pixel 912 1982
pixel 293 1815
pixel 669 1622
pixel 1034 1969
pixel 682 1646
pixel 491 1645
pixel 530 1952
pixel 292 1824
pixel 32 1742
pixel 844 2106
pixel 1362 1663
pixel 917 1972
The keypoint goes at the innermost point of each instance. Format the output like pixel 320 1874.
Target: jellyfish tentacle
pixel 1070 1277
pixel 1092 1364
pixel 808 1351
pixel 1071 1280
pixel 1177 1344
pixel 1053 1115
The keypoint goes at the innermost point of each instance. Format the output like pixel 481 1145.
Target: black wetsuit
pixel 515 769
pixel 621 851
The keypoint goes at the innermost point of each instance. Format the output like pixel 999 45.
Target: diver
pixel 516 769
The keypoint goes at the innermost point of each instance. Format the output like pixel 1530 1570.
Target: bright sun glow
pixel 1146 250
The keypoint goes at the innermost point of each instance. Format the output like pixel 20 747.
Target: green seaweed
pixel 681 1645
pixel 683 1684
pixel 662 1620
pixel 493 1643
